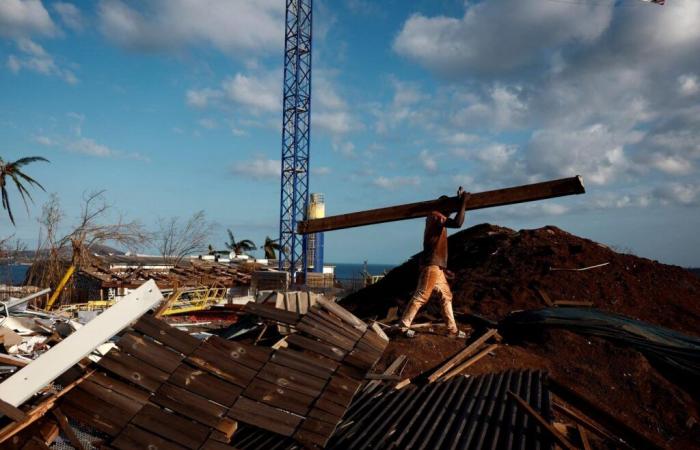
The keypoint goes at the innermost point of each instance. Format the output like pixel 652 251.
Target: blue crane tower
pixel 296 135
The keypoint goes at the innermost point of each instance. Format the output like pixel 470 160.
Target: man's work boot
pixel 459 334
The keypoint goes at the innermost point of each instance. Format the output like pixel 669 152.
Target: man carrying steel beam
pixel 433 264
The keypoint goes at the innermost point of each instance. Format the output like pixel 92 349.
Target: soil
pixel 498 270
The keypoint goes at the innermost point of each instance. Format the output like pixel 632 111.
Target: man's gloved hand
pixel 464 195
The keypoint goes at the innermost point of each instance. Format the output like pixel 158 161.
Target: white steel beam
pixel 50 365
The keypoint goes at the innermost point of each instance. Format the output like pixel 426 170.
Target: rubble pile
pixel 498 270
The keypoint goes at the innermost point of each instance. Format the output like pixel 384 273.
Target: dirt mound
pixel 498 270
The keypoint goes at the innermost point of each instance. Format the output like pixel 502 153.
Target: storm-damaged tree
pixel 239 247
pixel 270 247
pixel 176 240
pixel 96 226
pixel 13 171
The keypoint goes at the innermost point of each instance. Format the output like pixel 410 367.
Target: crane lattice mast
pixel 296 135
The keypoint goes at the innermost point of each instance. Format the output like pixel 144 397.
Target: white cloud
pixel 208 123
pixel 22 18
pixel 393 183
pixel 70 15
pixel 678 193
pixel 688 85
pixel 90 147
pixel 321 171
pixel 335 122
pixel 672 164
pixel 501 108
pixel 241 27
pixel 326 94
pixel 345 148
pixel 77 143
pixel 496 157
pixel 485 39
pixel 35 58
pixel 460 138
pixel 202 98
pixel 596 152
pixel 44 140
pixel 257 169
pixel 428 161
pixel 262 92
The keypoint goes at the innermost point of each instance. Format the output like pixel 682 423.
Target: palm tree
pixel 12 171
pixel 270 246
pixel 239 247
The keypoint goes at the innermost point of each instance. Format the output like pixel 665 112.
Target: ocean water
pixel 347 271
pixel 13 274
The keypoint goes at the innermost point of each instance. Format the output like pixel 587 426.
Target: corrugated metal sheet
pixel 462 413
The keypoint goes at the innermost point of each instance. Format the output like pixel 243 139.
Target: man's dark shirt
pixel 435 241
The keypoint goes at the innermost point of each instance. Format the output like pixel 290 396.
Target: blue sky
pixel 173 106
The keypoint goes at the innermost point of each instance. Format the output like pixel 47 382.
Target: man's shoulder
pixel 436 215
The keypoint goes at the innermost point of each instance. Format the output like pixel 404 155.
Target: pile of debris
pixel 557 357
pixel 498 271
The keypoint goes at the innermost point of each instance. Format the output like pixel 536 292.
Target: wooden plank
pixel 457 370
pixel 582 419
pixel 324 334
pixel 38 411
pixel 488 199
pixel 342 313
pixel 318 426
pixel 95 412
pixel 462 355
pixel 208 386
pixel 9 360
pixel 131 392
pixel 380 333
pixel 292 379
pixel 172 427
pixel 67 429
pixel 324 416
pixel 271 313
pixel 300 362
pixel 167 335
pixel 335 323
pixel 135 438
pixel 545 296
pixel 629 436
pixel 328 402
pixel 212 444
pixel 248 355
pixel 110 397
pixel 217 362
pixel 11 411
pixel 584 437
pixel 149 351
pixel 191 405
pixel 133 369
pixel 265 416
pixel 312 345
pixel 99 423
pixel 97 407
pixel 279 397
pixel 554 434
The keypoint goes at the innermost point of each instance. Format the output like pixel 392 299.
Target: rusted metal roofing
pixel 462 413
